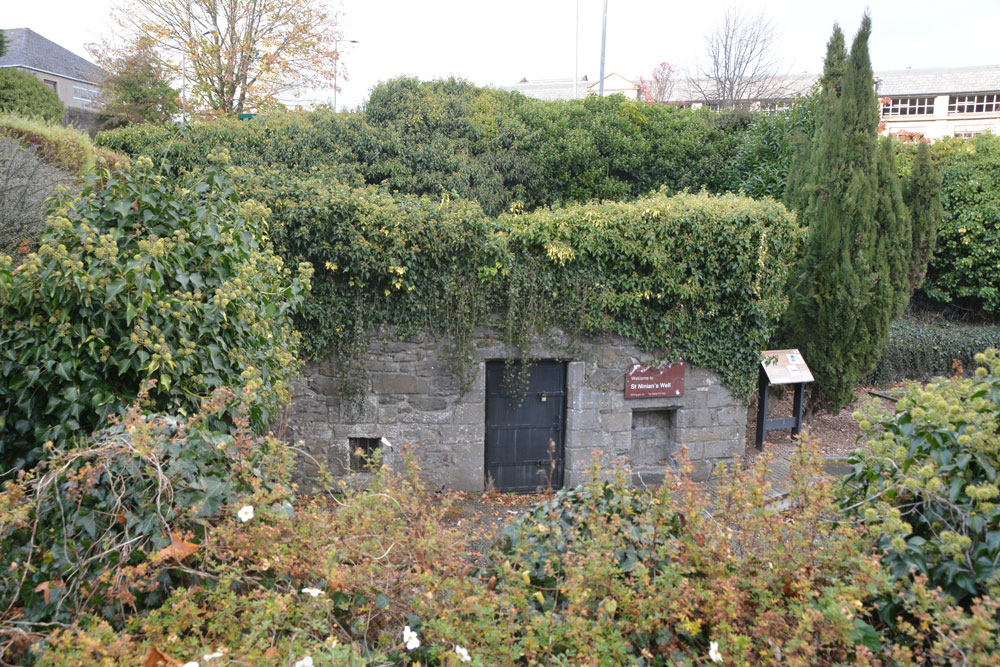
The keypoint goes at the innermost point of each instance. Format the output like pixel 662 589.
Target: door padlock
pixel 544 398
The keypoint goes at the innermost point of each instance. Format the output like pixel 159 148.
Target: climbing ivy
pixel 697 276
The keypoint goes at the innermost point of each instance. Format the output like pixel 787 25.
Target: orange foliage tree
pixel 239 55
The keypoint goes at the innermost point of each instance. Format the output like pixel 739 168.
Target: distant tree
pixel 658 88
pixel 240 55
pixel 24 95
pixel 843 295
pixel 922 195
pixel 740 63
pixel 136 88
pixel 3 44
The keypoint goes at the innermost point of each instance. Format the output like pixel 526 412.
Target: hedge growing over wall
pixel 697 276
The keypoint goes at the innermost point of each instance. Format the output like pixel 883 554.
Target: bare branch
pixel 741 65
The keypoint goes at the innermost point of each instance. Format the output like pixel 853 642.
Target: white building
pixel 915 103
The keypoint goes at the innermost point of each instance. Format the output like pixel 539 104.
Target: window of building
pixel 981 103
pixel 362 450
pixel 51 84
pixel 968 134
pixel 907 106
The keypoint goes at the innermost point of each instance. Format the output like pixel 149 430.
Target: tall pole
pixel 184 68
pixel 576 51
pixel 604 41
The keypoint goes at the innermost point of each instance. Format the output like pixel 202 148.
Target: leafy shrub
pixel 928 480
pixel 698 276
pixel 922 349
pixel 494 147
pixel 966 263
pixel 23 94
pixel 756 581
pixel 765 150
pixel 334 579
pixel 147 278
pixel 104 528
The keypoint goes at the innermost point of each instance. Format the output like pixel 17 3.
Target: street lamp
pixel 336 49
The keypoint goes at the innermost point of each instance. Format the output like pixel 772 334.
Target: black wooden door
pixel 520 428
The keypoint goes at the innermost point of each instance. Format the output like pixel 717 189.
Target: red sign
pixel 651 382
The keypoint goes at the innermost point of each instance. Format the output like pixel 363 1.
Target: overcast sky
pixel 499 43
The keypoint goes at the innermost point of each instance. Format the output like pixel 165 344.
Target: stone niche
pixel 411 397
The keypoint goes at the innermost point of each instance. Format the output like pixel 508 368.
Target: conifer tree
pixel 922 195
pixel 894 227
pixel 801 173
pixel 841 296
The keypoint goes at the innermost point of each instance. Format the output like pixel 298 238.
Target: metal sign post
pixel 780 367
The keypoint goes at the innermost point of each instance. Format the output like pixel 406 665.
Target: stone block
pixel 613 423
pixel 427 403
pixel 361 411
pixel 469 413
pixel 694 418
pixel 722 450
pixel 398 383
pixel 702 470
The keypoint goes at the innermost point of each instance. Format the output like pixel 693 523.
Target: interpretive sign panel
pixel 652 382
pixel 785 367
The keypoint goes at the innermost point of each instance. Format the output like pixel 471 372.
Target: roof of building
pixel 550 89
pixel 939 81
pixel 27 49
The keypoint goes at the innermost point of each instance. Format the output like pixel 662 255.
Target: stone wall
pixel 410 395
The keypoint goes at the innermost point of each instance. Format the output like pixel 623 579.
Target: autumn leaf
pixel 178 550
pixel 270 653
pixel 46 586
pixel 155 656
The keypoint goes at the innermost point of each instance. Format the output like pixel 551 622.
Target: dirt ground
pixel 836 435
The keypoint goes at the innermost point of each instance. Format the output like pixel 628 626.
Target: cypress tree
pixel 801 172
pixel 922 195
pixel 842 296
pixel 894 233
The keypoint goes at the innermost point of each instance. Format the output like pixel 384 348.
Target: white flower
pixel 190 664
pixel 410 638
pixel 713 652
pixel 304 662
pixel 463 655
pixel 212 656
pixel 245 513
pixel 314 592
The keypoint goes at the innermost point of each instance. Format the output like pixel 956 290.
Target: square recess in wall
pixel 362 450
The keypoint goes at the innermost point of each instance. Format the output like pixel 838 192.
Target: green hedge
pixel 923 350
pixel 490 146
pixel 966 263
pixel 23 94
pixel 698 276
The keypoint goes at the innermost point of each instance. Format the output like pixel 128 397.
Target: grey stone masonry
pixel 411 397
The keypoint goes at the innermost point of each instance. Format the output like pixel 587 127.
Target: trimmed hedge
pixel 65 148
pixel 22 93
pixel 35 159
pixel 496 148
pixel 923 350
pixel 693 276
